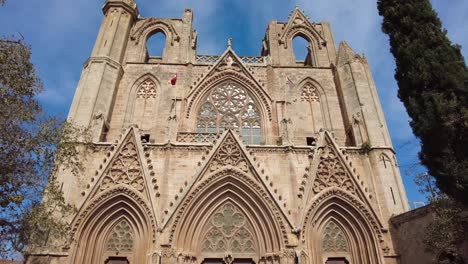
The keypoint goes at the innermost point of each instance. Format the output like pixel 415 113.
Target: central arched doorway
pixel 228 221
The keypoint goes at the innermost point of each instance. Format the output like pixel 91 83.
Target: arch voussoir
pixel 238 189
pixel 363 231
pixel 91 227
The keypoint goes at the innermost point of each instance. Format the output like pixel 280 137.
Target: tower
pixel 264 159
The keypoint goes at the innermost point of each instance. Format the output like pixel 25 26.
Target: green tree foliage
pixel 32 147
pixel 433 85
pixel 444 236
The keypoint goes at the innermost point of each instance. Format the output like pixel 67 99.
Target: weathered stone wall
pixel 408 231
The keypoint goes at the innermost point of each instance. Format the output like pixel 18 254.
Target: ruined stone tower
pixel 262 159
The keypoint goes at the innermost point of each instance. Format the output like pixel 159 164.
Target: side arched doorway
pixel 115 228
pixel 340 232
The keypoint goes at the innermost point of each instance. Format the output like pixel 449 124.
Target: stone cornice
pixel 131 8
pixel 107 60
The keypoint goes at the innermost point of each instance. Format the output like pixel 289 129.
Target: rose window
pixel 229 106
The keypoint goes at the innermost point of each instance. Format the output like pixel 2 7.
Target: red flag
pixel 174 79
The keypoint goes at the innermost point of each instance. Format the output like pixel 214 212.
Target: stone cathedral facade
pixel 262 159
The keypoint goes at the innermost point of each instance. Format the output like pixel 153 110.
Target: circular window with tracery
pixel 229 106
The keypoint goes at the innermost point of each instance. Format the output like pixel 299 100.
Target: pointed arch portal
pixel 344 231
pixel 113 228
pixel 228 214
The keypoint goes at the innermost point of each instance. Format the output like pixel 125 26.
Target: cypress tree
pixel 433 85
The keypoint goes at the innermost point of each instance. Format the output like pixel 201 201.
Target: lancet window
pixel 228 231
pixel 334 239
pixel 121 238
pixel 229 106
pixel 145 104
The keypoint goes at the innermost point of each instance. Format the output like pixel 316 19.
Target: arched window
pixel 302 50
pixel 145 104
pixel 309 118
pixel 229 106
pixel 156 44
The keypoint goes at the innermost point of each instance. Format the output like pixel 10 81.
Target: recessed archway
pixel 358 241
pixel 229 189
pixel 117 223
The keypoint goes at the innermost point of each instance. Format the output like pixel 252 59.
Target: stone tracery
pixel 147 89
pixel 310 93
pixel 229 154
pixel 228 231
pixel 331 173
pixel 334 239
pixel 229 106
pixel 121 238
pixel 125 169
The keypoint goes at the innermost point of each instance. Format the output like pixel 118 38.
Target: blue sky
pixel 62 35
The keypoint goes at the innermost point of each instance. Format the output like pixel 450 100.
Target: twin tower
pixel 267 159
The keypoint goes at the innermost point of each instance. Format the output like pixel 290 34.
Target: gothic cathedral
pixel 241 160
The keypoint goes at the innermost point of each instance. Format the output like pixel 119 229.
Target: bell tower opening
pixel 155 45
pixel 301 50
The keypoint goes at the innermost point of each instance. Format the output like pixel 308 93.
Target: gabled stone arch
pixel 262 99
pixel 133 94
pixel 299 24
pixel 96 220
pixel 151 26
pixel 360 226
pixel 239 189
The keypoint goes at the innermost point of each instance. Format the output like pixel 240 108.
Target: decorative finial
pixel 230 42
